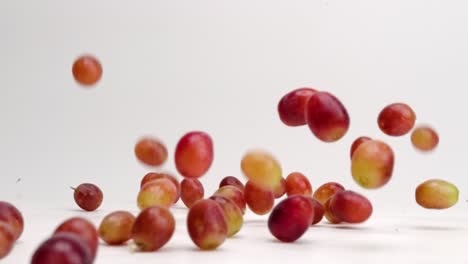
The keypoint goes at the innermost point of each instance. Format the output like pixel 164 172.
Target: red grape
pixel 10 215
pixel 297 183
pixel 259 200
pixel 396 119
pixel 83 229
pixel 160 192
pixel 327 117
pixel 151 151
pixel 207 224
pixel 64 248
pixel 350 207
pixel 153 228
pixel 333 219
pixel 7 239
pixel 87 70
pixel 191 191
pixel 194 154
pixel 291 218
pixel 280 189
pixel 318 211
pixel 233 193
pixel 233 181
pixel 116 227
pixel 327 190
pixel 232 212
pixel 88 196
pixel 158 175
pixel 292 106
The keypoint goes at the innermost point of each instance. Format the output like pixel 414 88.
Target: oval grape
pixel 150 151
pixel 327 190
pixel 350 207
pixel 191 191
pixel 10 215
pixel 327 117
pixel 292 106
pixel 436 194
pixel 259 200
pixel 88 196
pixel 372 164
pixel 116 227
pixel 261 168
pixel 206 224
pixel 160 192
pixel 153 228
pixel 298 184
pixel 291 218
pixel 82 228
pixel 64 248
pixel 194 154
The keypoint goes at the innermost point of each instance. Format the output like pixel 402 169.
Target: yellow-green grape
pixel 436 194
pixel 372 164
pixel 262 169
pixel 424 138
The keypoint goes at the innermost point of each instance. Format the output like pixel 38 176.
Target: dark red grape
pixel 83 229
pixel 7 239
pixel 291 218
pixel 333 219
pixel 10 215
pixel 64 248
pixel 233 181
pixel 191 191
pixel 292 106
pixel 396 119
pixel 318 211
pixel 88 196
pixel 327 117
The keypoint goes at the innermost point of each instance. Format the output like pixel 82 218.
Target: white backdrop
pixel 221 67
